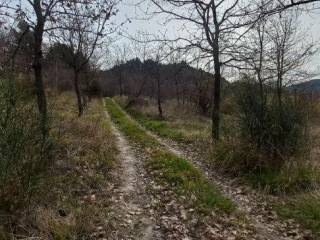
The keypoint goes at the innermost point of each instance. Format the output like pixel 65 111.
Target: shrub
pixel 271 146
pixel 233 156
pixel 243 160
pixel 24 153
pixel 278 130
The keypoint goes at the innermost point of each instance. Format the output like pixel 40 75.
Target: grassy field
pixel 175 171
pixel 71 201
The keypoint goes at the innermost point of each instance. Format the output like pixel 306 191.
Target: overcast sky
pixel 310 22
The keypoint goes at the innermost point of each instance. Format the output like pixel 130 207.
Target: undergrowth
pixel 243 161
pixel 71 201
pixel 305 208
pixel 25 155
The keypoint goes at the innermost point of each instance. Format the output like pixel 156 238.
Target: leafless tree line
pixel 78 24
pixel 257 36
pixel 220 28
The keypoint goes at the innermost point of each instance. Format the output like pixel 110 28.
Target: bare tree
pixel 218 26
pixel 141 48
pixel 122 54
pixel 82 27
pixel 161 53
pixel 36 13
pixel 252 57
pixel 44 16
pixel 270 7
pixel 275 51
pixel 289 50
pixel 178 66
pixel 157 77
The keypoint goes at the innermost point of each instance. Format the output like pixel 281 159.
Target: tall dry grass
pixel 72 199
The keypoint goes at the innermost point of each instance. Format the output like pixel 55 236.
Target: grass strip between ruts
pixel 176 171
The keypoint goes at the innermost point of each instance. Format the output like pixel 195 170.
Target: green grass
pixel 161 127
pixel 176 171
pixel 128 126
pixel 188 180
pixel 177 125
pixel 286 180
pixel 305 209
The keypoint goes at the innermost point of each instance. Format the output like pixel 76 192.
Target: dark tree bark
pixel 177 89
pixel 37 67
pixel 217 76
pixel 120 83
pixel 159 99
pixel 78 92
pixel 217 22
pixel 216 102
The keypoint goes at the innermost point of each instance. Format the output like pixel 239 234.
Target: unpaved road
pixel 267 223
pixel 132 220
pixel 142 209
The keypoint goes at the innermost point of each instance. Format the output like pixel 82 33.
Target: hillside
pixel 136 76
pixel 307 87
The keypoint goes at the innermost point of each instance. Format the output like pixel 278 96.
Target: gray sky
pixel 310 22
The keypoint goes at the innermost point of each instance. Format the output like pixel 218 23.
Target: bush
pixel 24 153
pixel 270 149
pixel 235 157
pixel 243 160
pixel 277 130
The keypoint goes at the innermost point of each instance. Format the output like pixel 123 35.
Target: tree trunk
pixel 216 97
pixel 177 89
pixel 279 93
pixel 280 56
pixel 87 92
pixel 78 92
pixel 134 99
pixel 159 97
pixel 37 67
pixel 217 77
pixel 84 100
pixel 183 96
pixel 120 84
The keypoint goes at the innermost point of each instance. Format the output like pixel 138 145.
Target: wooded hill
pixel 149 78
pixel 312 86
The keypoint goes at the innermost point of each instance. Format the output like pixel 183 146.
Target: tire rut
pixel 131 219
pixel 267 224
